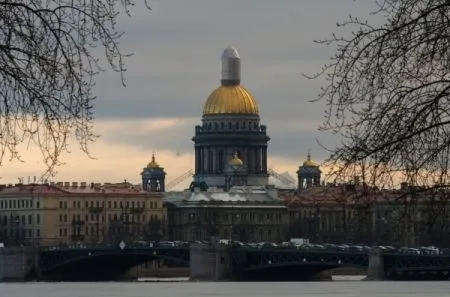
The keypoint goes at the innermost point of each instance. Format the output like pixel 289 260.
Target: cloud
pixel 177 47
pixel 175 66
pixel 126 146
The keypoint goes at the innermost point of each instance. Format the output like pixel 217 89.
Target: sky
pixel 175 66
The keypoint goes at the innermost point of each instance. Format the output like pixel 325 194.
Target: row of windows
pixel 236 218
pixel 232 125
pixel 19 233
pixel 19 220
pixel 63 218
pixel 18 204
pixel 93 230
pixel 127 204
pixel 253 234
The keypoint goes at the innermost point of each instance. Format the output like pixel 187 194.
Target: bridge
pixel 95 263
pixel 100 263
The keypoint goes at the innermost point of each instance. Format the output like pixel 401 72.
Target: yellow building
pixel 72 212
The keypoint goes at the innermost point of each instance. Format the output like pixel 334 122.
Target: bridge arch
pixel 102 266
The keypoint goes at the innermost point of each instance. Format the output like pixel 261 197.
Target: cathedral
pixel 231 143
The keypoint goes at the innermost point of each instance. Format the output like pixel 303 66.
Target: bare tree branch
pixel 388 95
pixel 48 62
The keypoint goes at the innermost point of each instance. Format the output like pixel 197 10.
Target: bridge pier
pixel 376 271
pixel 16 263
pixel 210 262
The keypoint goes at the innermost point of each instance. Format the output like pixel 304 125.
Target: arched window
pixel 229 125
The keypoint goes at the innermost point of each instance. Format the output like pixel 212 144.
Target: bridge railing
pixel 105 247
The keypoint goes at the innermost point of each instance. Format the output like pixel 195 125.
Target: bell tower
pixel 153 177
pixel 308 174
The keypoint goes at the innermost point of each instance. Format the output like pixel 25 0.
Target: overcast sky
pixel 176 64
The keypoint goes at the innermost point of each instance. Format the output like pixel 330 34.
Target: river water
pixel 337 288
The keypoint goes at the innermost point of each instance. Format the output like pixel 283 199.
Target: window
pixel 60 204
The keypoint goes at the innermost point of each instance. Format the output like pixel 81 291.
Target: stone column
pixel 197 160
pixel 375 271
pixel 264 159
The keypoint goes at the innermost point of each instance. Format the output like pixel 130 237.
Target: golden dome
pixel 309 162
pixel 231 99
pixel 153 163
pixel 236 161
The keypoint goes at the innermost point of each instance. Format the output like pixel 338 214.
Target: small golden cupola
pixel 309 162
pixel 153 163
pixel 236 161
pixel 308 174
pixel 153 177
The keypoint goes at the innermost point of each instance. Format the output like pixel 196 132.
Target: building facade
pixel 230 129
pixel 243 213
pixel 68 213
